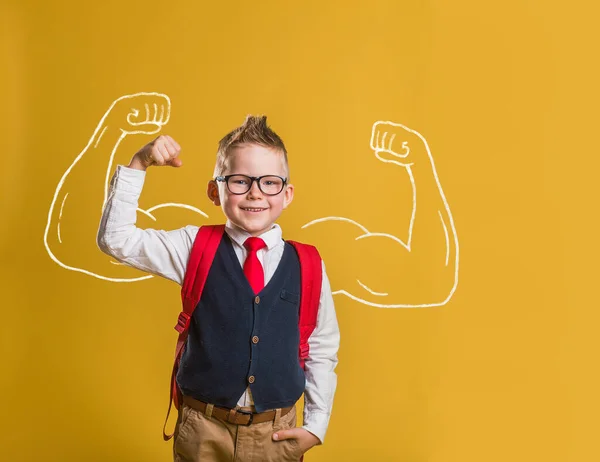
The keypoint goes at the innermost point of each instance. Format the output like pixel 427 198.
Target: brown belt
pixel 235 416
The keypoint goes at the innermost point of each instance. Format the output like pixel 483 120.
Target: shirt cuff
pixel 316 423
pixel 129 180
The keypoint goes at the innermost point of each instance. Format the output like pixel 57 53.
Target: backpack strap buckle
pixel 183 321
pixel 304 349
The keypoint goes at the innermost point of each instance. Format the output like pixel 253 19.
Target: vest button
pixel 251 379
pixel 255 339
pixel 257 300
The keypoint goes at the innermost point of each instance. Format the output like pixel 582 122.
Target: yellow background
pixel 506 95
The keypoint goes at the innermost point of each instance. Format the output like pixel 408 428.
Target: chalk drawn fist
pixel 140 113
pixel 395 143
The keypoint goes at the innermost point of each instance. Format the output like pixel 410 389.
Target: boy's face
pixel 254 211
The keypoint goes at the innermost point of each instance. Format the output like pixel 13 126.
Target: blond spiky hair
pixel 254 130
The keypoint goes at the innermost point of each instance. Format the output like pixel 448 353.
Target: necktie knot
pixel 254 244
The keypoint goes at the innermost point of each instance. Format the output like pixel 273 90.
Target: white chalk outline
pixel 62 205
pixel 381 294
pixel 155 120
pixel 377 146
pixel 380 146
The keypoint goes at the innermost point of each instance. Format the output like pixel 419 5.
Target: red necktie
pixel 252 268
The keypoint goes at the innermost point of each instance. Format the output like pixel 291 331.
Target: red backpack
pixel 203 253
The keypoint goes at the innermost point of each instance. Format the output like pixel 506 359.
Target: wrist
pixel 137 164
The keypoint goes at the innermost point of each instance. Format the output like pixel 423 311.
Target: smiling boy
pixel 239 358
pixel 252 209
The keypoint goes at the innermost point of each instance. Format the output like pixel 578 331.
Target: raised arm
pixel 82 192
pixel 164 253
pixel 410 267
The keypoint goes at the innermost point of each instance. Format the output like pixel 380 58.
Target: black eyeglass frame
pixel 252 180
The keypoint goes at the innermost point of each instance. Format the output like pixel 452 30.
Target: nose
pixel 254 191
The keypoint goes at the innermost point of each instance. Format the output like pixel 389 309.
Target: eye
pixel 238 180
pixel 271 181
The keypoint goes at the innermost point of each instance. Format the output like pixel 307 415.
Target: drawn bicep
pixel 377 269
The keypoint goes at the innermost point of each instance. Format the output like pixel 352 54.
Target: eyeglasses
pixel 271 185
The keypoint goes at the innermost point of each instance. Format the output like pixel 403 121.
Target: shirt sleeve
pixel 321 380
pixel 159 252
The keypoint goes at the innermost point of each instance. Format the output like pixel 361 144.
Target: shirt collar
pixel 271 237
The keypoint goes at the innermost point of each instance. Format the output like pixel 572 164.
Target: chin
pixel 250 227
pixel 258 229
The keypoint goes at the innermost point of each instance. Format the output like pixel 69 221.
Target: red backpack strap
pixel 311 277
pixel 201 257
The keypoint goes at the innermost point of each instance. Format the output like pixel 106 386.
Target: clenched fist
pixel 140 113
pixel 396 143
pixel 163 150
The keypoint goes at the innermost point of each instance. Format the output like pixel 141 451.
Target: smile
pixel 253 209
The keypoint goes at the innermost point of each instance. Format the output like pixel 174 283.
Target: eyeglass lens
pixel 240 184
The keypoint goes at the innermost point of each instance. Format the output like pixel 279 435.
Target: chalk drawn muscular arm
pixel 386 268
pixel 82 192
pixel 418 269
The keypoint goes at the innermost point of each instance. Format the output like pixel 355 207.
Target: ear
pixel 288 195
pixel 212 190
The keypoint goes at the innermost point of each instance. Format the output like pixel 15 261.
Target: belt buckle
pixel 250 413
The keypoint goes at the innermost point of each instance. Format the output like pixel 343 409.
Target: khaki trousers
pixel 201 437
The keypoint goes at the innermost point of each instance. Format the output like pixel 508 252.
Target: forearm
pixel 318 399
pixel 431 224
pixel 119 215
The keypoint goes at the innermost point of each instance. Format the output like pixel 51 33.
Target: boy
pixel 240 358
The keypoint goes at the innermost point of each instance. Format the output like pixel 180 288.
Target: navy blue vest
pixel 237 339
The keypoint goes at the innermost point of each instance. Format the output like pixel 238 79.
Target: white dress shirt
pixel 166 253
